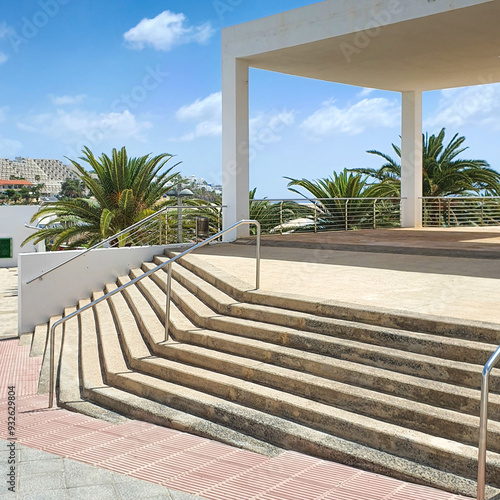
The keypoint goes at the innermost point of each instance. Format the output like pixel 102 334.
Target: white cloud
pixel 207 112
pixel 353 119
pixel 64 100
pixel 365 91
pixel 209 107
pixel 3 57
pixel 479 105
pixel 80 125
pixel 165 31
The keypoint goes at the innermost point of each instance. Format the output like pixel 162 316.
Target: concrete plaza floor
pixel 386 269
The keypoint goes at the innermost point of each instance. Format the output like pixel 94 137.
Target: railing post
pixel 52 334
pixel 483 424
pixel 483 430
pixel 179 219
pixel 425 211
pixel 374 215
pixel 482 212
pixel 159 230
pixel 167 304
pixel 346 216
pixel 315 218
pixel 449 213
pixel 281 218
pixel 257 256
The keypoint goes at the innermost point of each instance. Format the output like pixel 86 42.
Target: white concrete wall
pixel 74 281
pixel 12 220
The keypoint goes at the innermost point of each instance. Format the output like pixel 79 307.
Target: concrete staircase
pixel 388 393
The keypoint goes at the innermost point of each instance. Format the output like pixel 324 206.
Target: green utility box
pixel 5 248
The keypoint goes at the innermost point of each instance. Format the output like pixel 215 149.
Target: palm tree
pixel 72 188
pixel 124 191
pixel 342 201
pixel 273 215
pixel 443 173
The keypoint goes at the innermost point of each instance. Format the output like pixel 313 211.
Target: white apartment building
pixel 52 173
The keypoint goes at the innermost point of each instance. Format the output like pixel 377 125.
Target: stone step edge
pixel 171 418
pixel 463 374
pixel 157 389
pixel 337 450
pixel 39 340
pixel 295 436
pixel 264 347
pixel 422 412
pixel 132 406
pixel 467 351
pixel 387 317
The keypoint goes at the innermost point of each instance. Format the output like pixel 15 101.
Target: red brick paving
pixel 182 461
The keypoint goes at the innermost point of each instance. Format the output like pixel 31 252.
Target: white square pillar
pixel 411 159
pixel 235 144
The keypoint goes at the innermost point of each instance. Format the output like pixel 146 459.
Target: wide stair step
pixel 396 396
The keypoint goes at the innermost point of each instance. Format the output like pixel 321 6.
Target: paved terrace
pixel 451 273
pixel 66 455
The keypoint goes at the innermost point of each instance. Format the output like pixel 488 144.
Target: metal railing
pixel 139 278
pixel 483 424
pixel 152 230
pixel 453 211
pixel 325 214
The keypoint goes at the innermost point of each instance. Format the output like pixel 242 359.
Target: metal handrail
pixel 460 197
pixel 116 235
pixel 483 424
pixel 327 199
pixel 139 278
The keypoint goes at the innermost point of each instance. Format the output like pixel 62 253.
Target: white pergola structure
pixel 408 46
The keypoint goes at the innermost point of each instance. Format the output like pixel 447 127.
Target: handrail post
pixel 167 305
pixel 257 257
pixel 483 431
pixel 374 214
pixel 483 424
pixel 52 363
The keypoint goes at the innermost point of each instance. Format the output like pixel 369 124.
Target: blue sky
pixel 147 75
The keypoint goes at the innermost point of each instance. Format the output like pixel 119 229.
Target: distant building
pixel 201 183
pixel 51 173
